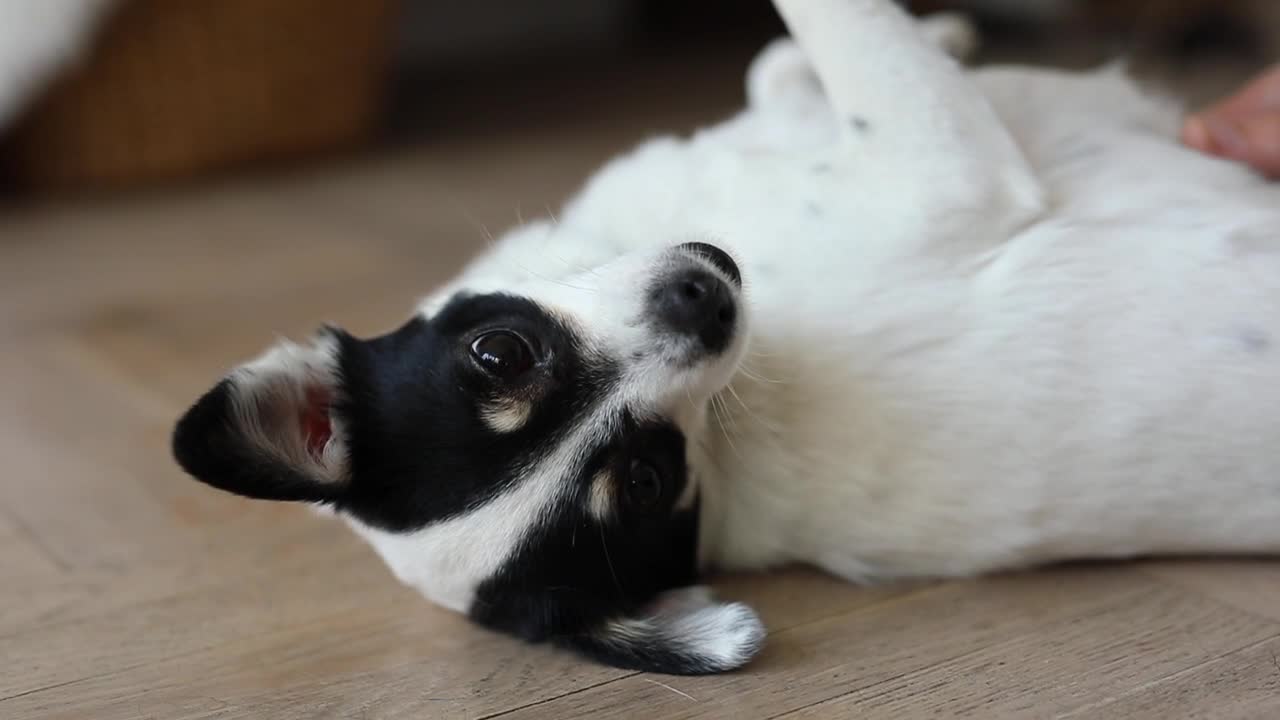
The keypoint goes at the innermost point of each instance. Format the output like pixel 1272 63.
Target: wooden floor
pixel 129 591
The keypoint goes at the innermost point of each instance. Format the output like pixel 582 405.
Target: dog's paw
pixel 724 637
pixel 684 632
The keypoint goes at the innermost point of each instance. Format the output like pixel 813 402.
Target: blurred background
pixel 143 93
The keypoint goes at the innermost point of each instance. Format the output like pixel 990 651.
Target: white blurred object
pixel 39 39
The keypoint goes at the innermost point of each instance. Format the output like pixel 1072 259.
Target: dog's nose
pixel 717 257
pixel 695 302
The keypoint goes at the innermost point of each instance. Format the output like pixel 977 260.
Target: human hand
pixel 1244 127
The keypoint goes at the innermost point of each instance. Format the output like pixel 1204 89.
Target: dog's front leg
pixel 910 117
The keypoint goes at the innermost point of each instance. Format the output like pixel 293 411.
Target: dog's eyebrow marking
pixel 600 495
pixel 507 415
pixel 860 123
pixel 821 168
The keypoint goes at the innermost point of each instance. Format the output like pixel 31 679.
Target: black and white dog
pixel 895 319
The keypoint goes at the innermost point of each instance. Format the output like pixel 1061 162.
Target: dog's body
pixel 986 320
pixel 941 387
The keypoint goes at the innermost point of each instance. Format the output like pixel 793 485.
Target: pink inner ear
pixel 315 419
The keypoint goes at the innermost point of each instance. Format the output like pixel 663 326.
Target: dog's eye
pixel 503 354
pixel 644 485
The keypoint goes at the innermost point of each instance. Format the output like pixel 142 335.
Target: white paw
pixel 725 637
pixel 685 632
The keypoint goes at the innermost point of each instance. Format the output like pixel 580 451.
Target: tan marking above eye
pixel 506 415
pixel 688 493
pixel 600 496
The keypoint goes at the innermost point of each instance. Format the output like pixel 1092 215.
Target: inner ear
pixel 315 420
pixel 684 632
pixel 271 429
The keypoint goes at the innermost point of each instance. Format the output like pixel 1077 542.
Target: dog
pixel 895 319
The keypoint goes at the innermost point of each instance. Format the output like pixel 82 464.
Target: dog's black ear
pixel 271 429
pixel 686 632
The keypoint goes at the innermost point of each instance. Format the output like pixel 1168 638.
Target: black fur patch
pixel 409 403
pixel 208 444
pixel 419 450
pixel 576 573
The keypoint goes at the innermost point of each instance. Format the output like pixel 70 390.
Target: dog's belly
pixel 1094 388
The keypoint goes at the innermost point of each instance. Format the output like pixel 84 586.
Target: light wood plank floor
pixel 128 591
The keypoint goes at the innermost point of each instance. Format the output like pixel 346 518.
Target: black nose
pixel 717 257
pixel 695 302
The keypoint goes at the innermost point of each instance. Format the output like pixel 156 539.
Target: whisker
pixel 534 273
pixel 724 405
pixel 609 561
pixel 557 281
pixel 489 242
pixel 751 413
pixel 728 436
pixel 579 267
pixel 747 372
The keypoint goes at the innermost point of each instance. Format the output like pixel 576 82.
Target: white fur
pixel 1008 322
pixel 446 561
pixel 38 40
pixel 689 621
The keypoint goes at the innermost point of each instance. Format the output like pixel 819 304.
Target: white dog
pixel 893 320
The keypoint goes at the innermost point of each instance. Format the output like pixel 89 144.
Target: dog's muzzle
pixel 694 300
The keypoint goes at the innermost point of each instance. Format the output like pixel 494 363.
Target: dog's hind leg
pixel 910 116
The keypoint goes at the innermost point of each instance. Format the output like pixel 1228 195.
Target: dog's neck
pixel 838 422
pixel 743 454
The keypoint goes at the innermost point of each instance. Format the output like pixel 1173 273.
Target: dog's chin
pixel 693 374
pixel 722 371
pixel 714 373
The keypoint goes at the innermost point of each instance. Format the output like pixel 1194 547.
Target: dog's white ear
pixel 686 632
pixel 271 429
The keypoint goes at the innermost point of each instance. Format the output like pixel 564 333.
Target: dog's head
pixel 521 456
